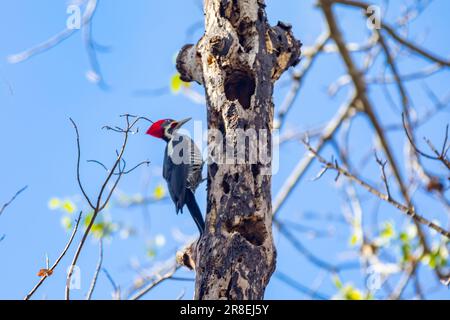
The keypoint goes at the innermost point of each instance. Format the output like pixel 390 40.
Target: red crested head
pixel 163 129
pixel 157 128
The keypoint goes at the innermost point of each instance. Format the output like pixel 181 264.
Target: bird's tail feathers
pixel 195 211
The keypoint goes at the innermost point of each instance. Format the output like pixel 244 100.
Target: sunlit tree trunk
pixel 237 60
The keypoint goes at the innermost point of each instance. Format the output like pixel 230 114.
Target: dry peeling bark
pixel 237 60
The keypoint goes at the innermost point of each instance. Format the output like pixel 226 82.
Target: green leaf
pixel 337 282
pixel 351 293
pixel 87 219
pixel 388 231
pixel 354 239
pixel 176 83
pixel 98 228
pixel 66 222
pixel 68 206
pixel 432 262
pixel 151 252
pixel 406 252
pixel 159 192
pixel 404 237
pixel 54 203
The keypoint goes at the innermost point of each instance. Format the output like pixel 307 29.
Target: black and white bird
pixel 182 167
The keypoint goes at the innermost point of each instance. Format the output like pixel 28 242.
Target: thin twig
pixel 382 165
pixel 12 199
pixel 97 270
pixel 405 209
pixel 321 263
pixel 439 156
pixel 90 45
pixel 100 203
pixel 77 222
pixel 299 287
pixel 391 31
pixel 116 292
pixel 80 185
pixel 159 279
pixel 305 162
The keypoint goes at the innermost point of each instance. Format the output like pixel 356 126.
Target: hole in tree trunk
pixel 213 169
pixel 225 185
pixel 240 86
pixel 255 170
pixel 252 229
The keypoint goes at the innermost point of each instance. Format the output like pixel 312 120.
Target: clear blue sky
pixel 38 148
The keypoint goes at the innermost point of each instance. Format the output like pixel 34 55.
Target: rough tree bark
pixel 237 60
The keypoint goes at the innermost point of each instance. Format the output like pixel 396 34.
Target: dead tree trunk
pixel 237 60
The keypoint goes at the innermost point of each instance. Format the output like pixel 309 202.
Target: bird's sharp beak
pixel 181 123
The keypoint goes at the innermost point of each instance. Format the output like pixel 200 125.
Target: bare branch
pixel 391 31
pixel 97 270
pixel 116 292
pixel 77 222
pixel 321 263
pixel 95 74
pixel 299 287
pixel 382 165
pixel 2 209
pixel 159 278
pixel 405 209
pixel 299 77
pixel 304 163
pixel 440 156
pixel 78 165
pixel 100 203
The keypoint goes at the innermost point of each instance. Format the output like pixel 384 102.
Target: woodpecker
pixel 182 167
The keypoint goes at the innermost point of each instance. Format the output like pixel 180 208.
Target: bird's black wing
pixel 174 174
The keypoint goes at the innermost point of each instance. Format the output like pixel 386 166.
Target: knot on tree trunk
pixel 189 64
pixel 283 47
pixel 186 256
